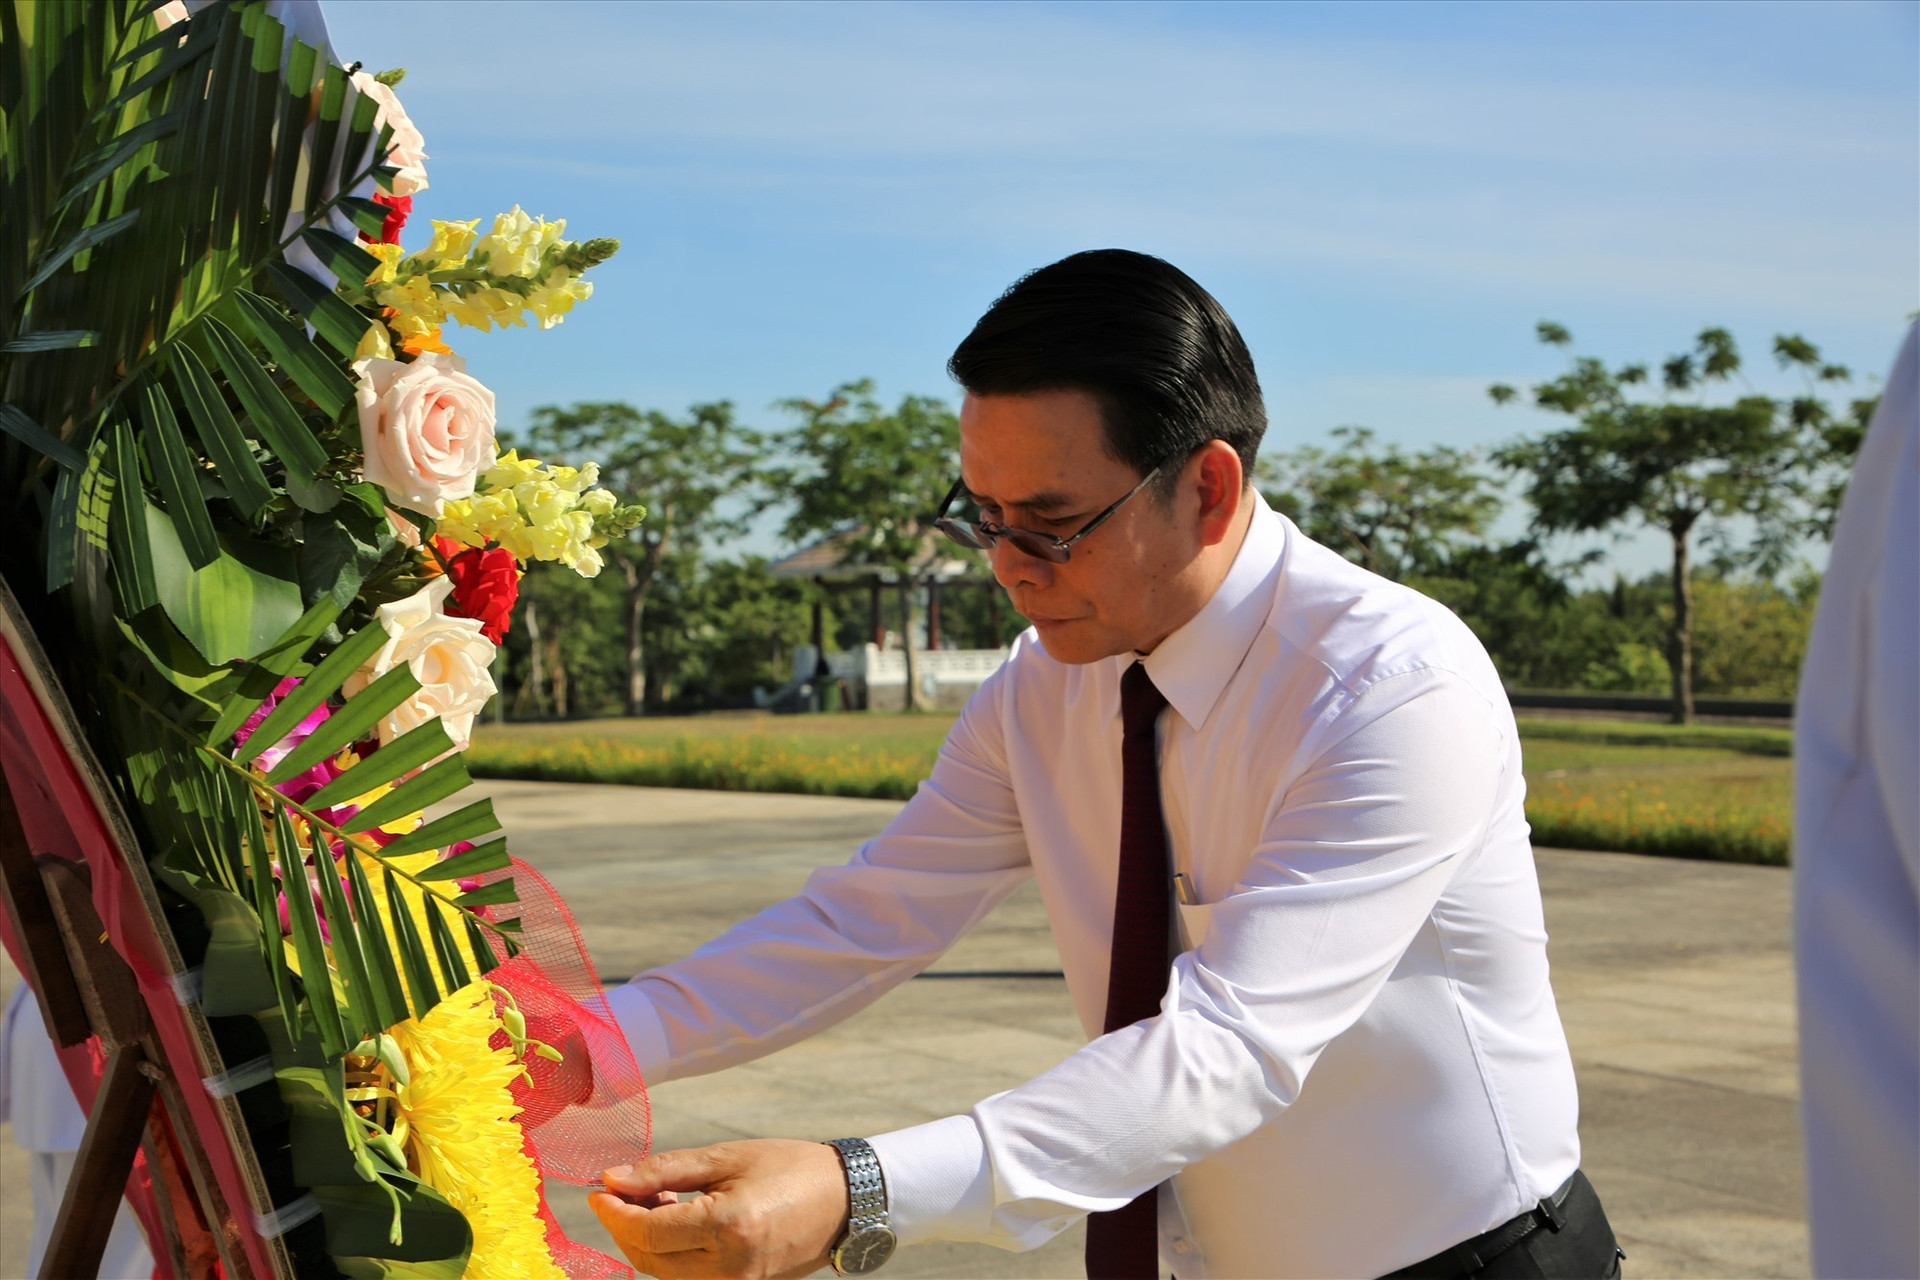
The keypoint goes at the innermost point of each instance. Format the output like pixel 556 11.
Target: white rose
pixel 447 655
pixel 409 151
pixel 426 426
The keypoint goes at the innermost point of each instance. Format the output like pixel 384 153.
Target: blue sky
pixel 1386 197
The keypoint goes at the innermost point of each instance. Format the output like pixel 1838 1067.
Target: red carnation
pixel 485 585
pixel 398 209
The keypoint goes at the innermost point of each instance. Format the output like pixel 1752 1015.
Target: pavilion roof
pixel 836 558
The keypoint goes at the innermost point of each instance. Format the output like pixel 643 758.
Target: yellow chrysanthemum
pixel 461 1137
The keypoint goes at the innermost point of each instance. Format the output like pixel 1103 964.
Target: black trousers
pixel 1582 1248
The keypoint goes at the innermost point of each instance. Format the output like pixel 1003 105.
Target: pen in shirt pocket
pixel 1183 890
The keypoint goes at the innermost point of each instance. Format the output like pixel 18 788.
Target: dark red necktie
pixel 1124 1244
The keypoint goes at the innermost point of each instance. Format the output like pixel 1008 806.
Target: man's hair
pixel 1160 355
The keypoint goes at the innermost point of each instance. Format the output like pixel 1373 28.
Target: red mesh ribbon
pixel 589 1110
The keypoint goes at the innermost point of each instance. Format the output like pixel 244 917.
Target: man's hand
pixel 772 1208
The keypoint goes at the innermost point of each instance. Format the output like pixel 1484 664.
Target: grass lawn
pixel 1698 792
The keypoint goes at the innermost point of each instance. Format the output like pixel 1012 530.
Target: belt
pixel 1469 1256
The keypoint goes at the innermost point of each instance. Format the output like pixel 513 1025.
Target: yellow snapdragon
pixel 552 300
pixel 451 243
pixel 539 511
pixel 516 244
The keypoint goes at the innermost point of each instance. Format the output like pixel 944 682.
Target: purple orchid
pixel 295 789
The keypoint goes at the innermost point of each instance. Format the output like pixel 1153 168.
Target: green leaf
pixel 273 417
pixel 318 1131
pixel 177 56
pixel 127 527
pixel 359 1219
pixel 335 319
pixel 476 819
pixel 490 856
pixel 297 357
pixel 481 944
pixel 229 610
pixel 126 147
pixel 295 93
pixel 235 976
pixel 349 724
pixel 269 668
pixel 39 439
pixel 63 530
pixel 219 434
pixel 315 977
pixel 319 496
pixel 413 955
pixel 445 949
pixel 260 875
pixel 489 895
pixel 407 752
pixel 50 340
pixel 390 1000
pixel 368 215
pixel 363 1019
pixel 174 471
pixel 341 547
pixel 349 656
pixel 347 260
pixel 93 235
pixel 169 652
pixel 326 132
pixel 437 783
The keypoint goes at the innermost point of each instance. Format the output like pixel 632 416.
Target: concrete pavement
pixel 1674 979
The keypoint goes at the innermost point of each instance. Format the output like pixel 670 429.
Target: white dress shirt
pixel 1361 1063
pixel 1856 857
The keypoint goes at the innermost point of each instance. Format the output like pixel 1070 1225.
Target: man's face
pixel 1040 462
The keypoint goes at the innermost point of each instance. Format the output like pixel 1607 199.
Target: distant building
pixel 873 677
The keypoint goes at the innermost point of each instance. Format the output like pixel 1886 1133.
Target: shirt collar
pixel 1192 666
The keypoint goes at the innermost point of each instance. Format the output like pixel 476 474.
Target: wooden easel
pixel 85 988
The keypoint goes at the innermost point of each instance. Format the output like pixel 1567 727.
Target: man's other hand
pixel 772 1208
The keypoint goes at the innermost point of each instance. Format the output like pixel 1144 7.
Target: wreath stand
pixel 79 912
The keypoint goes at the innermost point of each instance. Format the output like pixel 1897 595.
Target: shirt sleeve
pixel 1349 867
pixel 854 932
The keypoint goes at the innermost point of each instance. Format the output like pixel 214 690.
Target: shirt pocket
pixel 1191 915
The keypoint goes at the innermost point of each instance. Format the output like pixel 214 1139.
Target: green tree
pixel 564 647
pixel 1833 431
pixel 684 468
pixel 1670 461
pixel 1386 509
pixel 722 627
pixel 1753 635
pixel 877 474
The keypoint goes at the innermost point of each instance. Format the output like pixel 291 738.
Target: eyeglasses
pixel 982 535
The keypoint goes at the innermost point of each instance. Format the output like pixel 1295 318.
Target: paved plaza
pixel 1674 979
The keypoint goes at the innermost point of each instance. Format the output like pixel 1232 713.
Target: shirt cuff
pixel 645 1033
pixel 939 1186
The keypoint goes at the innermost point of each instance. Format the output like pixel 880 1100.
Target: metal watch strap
pixel 866 1184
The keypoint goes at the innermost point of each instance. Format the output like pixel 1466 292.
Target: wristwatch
pixel 869 1240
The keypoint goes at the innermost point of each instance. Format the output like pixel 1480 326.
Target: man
pixel 1353 1064
pixel 1856 860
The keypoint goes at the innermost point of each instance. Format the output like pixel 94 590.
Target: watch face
pixel 865 1250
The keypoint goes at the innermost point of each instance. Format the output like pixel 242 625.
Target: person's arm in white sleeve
pixel 1348 869
pixel 854 932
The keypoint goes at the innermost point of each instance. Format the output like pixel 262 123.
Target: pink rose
pixel 426 426
pixel 409 151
